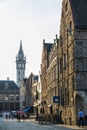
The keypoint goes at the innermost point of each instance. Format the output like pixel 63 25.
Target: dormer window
pixel 61 40
pixel 70 32
pixel 6 86
pixel 70 25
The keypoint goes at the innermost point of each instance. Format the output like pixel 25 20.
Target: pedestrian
pixel 9 116
pixel 81 118
pixel 23 117
pixel 12 116
pixel 6 116
pixel 17 117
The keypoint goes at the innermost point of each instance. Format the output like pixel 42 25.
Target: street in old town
pixel 33 125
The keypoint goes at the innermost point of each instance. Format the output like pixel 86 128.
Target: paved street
pixel 28 125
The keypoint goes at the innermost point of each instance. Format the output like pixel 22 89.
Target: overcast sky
pixel 30 21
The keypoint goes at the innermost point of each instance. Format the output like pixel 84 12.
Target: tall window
pixel 61 65
pixel 11 97
pixel 64 61
pixel 61 40
pixel 66 7
pixel 6 98
pixel 17 97
pixel 0 97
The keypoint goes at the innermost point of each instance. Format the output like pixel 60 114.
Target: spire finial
pixel 20 44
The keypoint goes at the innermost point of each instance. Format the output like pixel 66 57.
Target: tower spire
pixel 20 53
pixel 20 65
pixel 20 44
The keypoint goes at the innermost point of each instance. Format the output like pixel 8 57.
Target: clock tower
pixel 20 65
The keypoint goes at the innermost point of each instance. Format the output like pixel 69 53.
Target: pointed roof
pixel 20 49
pixel 79 11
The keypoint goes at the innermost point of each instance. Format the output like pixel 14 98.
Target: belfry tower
pixel 20 65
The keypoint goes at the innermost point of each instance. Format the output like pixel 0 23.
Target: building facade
pixel 72 54
pixel 52 77
pixel 23 94
pixel 20 65
pixel 70 83
pixel 44 65
pixel 29 95
pixel 9 96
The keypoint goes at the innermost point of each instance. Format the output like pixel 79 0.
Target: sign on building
pixel 56 99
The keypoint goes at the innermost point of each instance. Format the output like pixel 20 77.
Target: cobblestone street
pixel 33 125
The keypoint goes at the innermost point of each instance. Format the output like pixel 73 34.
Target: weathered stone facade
pixel 44 65
pixel 29 95
pixel 65 73
pixel 52 77
pixel 72 63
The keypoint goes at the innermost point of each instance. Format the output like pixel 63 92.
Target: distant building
pixel 29 89
pixel 23 94
pixel 35 90
pixel 44 65
pixel 9 96
pixel 29 96
pixel 52 77
pixel 20 65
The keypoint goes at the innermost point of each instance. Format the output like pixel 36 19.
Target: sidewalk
pixel 73 127
pixel 62 125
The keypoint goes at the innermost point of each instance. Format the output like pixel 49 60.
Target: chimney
pixel 43 40
pixel 56 37
pixel 7 78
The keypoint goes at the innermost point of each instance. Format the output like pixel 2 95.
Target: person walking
pixel 81 118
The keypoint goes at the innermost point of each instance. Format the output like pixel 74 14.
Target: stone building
pixel 30 83
pixel 23 94
pixel 36 91
pixel 44 65
pixel 29 95
pixel 9 96
pixel 52 77
pixel 73 60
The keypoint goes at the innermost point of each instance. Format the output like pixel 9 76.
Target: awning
pixel 25 110
pixel 20 112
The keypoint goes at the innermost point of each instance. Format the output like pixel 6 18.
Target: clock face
pixel 22 65
pixel 19 65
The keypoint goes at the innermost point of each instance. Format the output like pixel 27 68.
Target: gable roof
pixel 79 10
pixel 6 85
